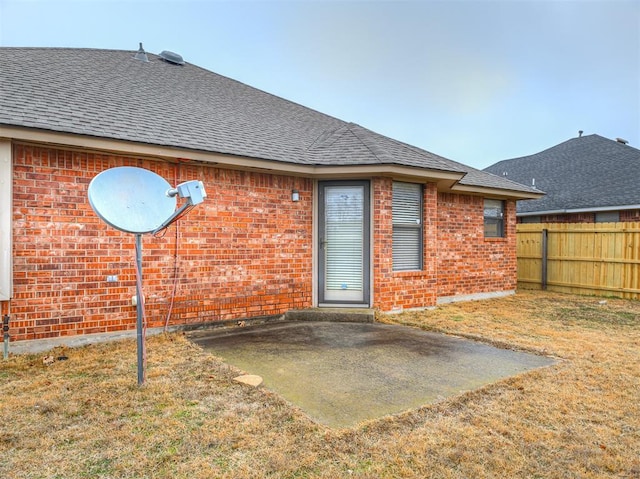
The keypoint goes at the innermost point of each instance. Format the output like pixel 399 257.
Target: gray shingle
pixel 588 172
pixel 106 93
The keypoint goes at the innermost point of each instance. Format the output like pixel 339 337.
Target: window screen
pixel 407 226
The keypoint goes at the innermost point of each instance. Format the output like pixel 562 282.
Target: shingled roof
pixel 109 94
pixel 588 173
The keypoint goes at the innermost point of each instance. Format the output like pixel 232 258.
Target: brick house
pixel 588 179
pixel 303 209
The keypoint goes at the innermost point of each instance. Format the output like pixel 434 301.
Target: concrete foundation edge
pixel 475 297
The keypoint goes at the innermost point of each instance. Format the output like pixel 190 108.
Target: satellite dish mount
pixel 138 201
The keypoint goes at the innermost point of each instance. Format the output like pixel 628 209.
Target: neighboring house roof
pixel 109 94
pixel 588 173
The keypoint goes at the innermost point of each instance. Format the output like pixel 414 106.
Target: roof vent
pixel 620 140
pixel 580 132
pixel 141 55
pixel 171 57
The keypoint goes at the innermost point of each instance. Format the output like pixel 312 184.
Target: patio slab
pixel 342 374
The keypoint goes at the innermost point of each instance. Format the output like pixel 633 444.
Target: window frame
pixel 399 227
pixel 497 220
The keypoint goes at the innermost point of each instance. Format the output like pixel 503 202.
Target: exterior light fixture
pixel 295 195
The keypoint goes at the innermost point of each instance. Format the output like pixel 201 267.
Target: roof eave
pixel 579 210
pixel 86 142
pixel 398 172
pixel 447 181
pixel 499 193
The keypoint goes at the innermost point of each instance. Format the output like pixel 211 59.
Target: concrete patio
pixel 343 373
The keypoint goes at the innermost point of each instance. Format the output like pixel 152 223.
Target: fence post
pixel 545 239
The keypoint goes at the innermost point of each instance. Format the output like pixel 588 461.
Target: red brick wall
pixel 402 289
pixel 569 218
pixel 458 259
pixel 630 215
pixel 469 263
pixel 246 251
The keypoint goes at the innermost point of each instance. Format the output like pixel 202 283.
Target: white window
pixel 493 218
pixel 407 226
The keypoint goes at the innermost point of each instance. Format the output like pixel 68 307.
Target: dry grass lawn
pixel 85 417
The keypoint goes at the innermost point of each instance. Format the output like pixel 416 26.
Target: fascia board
pixel 121 147
pixel 497 192
pixel 580 210
pixel 447 181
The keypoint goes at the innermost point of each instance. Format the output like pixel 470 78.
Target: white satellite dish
pixel 130 199
pixel 138 201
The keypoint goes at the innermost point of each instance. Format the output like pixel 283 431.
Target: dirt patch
pixel 86 417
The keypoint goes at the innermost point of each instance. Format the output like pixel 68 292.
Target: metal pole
pixel 545 253
pixel 5 329
pixel 139 309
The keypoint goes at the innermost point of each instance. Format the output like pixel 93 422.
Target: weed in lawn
pixel 98 468
pixel 598 315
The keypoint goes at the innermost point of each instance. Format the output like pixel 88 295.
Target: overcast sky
pixel 476 81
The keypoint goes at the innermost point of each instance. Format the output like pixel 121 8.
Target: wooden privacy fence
pixel 583 258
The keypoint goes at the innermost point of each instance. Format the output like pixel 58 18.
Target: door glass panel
pixel 344 243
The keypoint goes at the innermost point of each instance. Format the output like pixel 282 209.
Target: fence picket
pixel 584 258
